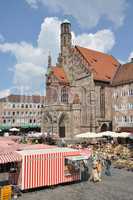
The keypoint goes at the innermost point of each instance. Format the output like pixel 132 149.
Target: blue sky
pixel 29 29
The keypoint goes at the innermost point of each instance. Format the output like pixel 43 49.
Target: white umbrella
pixel 116 135
pixel 109 134
pixel 124 134
pixel 0 130
pixel 6 134
pixel 14 129
pixel 88 135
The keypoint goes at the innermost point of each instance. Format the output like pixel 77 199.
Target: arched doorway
pixel 63 125
pixel 104 127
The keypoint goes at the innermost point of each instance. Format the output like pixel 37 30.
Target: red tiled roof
pixel 60 74
pixel 124 74
pixel 102 65
pixel 23 98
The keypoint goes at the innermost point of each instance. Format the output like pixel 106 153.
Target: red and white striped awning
pixel 86 152
pixel 8 157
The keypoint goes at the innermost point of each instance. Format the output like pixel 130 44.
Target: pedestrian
pixel 99 169
pixel 94 173
pixel 82 171
pixel 108 166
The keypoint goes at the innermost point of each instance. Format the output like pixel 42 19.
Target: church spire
pixel 65 36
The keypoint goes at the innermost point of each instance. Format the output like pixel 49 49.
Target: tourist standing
pixel 99 169
pixel 94 173
pixel 82 171
pixel 108 166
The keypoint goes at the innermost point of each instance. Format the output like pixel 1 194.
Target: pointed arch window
pixel 102 101
pixel 64 95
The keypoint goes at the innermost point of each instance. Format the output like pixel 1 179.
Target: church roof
pixel 102 65
pixel 124 74
pixel 60 74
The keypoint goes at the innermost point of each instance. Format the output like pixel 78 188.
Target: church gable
pixel 57 75
pixel 103 66
pixel 77 66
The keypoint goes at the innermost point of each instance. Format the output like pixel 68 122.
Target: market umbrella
pixel 14 129
pixel 125 135
pixel 88 135
pixel 109 134
pixel 0 130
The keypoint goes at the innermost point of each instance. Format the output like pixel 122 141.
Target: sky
pixel 30 29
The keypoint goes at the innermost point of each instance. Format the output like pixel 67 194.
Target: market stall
pixel 48 167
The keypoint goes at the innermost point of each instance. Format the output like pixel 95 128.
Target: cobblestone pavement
pixel 117 187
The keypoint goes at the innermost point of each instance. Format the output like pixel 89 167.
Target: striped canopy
pixel 8 157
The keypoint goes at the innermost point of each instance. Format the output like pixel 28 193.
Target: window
pixel 125 118
pixel 102 101
pixel 64 95
pixel 130 92
pixel 13 113
pixel 13 121
pixel 30 106
pixel 131 118
pixel 26 106
pixel 22 105
pixel 13 105
pixel 30 121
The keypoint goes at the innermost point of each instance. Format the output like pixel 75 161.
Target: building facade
pixel 122 98
pixel 78 90
pixel 21 111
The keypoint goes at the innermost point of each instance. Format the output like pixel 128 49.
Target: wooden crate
pixel 6 192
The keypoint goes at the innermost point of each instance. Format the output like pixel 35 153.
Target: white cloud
pixel 130 56
pixel 31 62
pixel 49 36
pixel 4 93
pixel 33 3
pixel 25 52
pixel 1 38
pixel 28 74
pixel 102 40
pixel 87 12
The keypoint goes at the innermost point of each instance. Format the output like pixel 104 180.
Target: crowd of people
pixel 98 166
pixel 94 168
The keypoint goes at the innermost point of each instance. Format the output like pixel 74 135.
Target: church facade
pixel 78 89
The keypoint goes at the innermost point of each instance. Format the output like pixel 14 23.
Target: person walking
pixel 82 171
pixel 99 169
pixel 94 173
pixel 108 166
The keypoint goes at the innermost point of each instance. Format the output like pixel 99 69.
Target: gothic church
pixel 78 91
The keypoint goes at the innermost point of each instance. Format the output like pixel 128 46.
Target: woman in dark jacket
pixel 108 166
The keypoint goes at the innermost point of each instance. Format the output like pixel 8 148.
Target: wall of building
pixel 14 114
pixel 122 106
